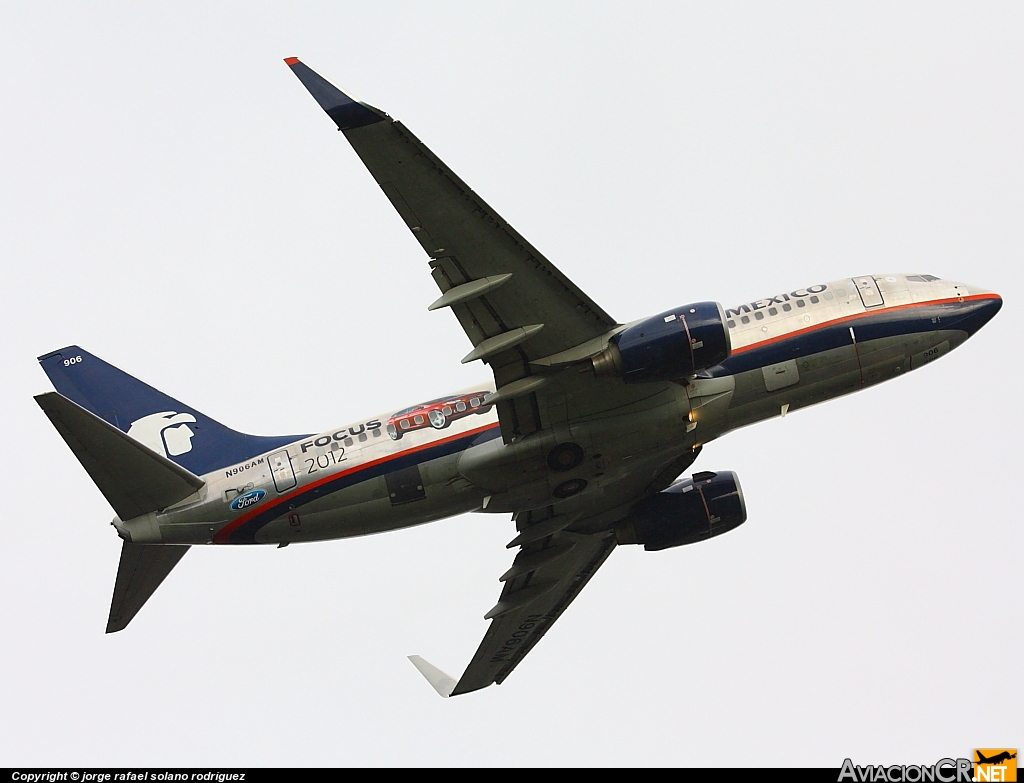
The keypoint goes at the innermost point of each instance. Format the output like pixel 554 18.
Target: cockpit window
pixel 922 278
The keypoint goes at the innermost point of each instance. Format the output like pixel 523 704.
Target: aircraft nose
pixel 978 308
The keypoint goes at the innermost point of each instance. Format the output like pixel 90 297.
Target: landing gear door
pixel 281 470
pixel 869 293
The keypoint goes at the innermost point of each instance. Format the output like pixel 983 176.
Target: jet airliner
pixel 999 758
pixel 582 437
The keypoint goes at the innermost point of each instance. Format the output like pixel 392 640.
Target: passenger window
pixel 348 441
pixel 814 300
pixel 362 437
pixel 417 419
pixel 827 294
pixel 773 311
pixel 474 403
pixel 745 319
pixel 447 410
pixel 841 293
pixel 759 315
pixel 404 424
pixel 801 303
pixel 787 307
pixel 731 324
pixel 460 406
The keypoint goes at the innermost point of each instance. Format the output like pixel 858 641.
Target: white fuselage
pixel 447 457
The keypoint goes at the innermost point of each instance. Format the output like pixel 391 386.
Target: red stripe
pixel 222 535
pixel 866 314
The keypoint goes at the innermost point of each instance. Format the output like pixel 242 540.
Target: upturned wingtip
pixel 439 681
pixel 346 112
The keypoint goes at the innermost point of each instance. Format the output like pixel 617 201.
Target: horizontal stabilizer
pixel 441 682
pixel 134 479
pixel 141 570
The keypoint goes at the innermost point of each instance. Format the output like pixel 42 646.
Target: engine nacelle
pixel 691 510
pixel 667 347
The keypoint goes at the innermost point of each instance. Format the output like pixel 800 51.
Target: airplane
pixel 582 437
pixel 999 758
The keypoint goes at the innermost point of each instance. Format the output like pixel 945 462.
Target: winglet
pixel 347 112
pixel 440 681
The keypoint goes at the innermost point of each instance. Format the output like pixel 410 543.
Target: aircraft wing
pixel 530 323
pixel 547 574
pixel 513 304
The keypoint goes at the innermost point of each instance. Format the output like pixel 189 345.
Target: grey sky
pixel 172 200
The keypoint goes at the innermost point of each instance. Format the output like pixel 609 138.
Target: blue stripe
pixel 966 316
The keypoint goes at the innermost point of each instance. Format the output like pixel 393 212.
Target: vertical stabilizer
pixel 167 426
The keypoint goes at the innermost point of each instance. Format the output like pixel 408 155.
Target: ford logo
pixel 251 498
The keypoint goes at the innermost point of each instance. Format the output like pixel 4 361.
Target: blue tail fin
pixel 171 428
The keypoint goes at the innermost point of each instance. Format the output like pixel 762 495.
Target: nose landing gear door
pixel 281 470
pixel 868 290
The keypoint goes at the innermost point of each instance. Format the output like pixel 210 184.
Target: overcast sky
pixel 174 201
